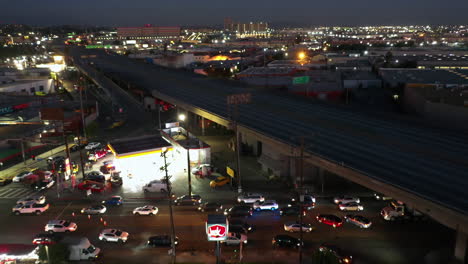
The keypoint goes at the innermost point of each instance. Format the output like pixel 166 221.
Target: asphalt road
pixel 382 243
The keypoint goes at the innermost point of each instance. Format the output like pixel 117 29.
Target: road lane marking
pixel 63 210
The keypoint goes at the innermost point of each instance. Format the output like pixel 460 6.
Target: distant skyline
pixel 210 12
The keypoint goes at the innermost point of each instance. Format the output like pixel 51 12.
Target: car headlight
pixel 250 228
pixel 245 241
pixel 199 208
pixel 82 211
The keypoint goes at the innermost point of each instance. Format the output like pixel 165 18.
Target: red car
pixel 331 220
pixel 44 239
pixel 95 187
pixel 98 154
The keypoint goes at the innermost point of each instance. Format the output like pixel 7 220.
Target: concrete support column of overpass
pixel 320 172
pixel 202 126
pixel 460 246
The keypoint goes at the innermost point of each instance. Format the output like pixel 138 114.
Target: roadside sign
pixel 235 99
pixel 217 227
pixel 301 80
pixel 230 171
pixel 67 168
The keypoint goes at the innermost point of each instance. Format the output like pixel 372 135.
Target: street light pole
pixel 182 118
pixel 171 214
pixel 301 198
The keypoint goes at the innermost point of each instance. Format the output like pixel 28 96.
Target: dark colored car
pixel 293 210
pixel 286 241
pixel 194 199
pixel 161 241
pixel 95 176
pixel 76 147
pixel 107 168
pixel 210 207
pixel 4 181
pixel 114 200
pixel 242 223
pixel 44 239
pixel 239 211
pixel 57 159
pixel 116 180
pixel 43 185
pixel 331 220
pixel 342 257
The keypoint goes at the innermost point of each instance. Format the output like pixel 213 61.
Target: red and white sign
pixel 217 231
pixel 217 228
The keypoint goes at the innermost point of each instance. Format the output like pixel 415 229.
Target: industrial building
pixel 250 29
pixel 148 32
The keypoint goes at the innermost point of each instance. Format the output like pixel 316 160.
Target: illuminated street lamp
pixel 182 119
pixel 301 55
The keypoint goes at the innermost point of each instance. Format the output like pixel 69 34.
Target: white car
pixel 351 207
pixel 113 235
pixel 95 209
pixel 21 176
pixel 296 227
pixel 202 170
pixel 145 210
pixel 235 239
pixel 92 145
pixel 358 220
pixel 36 199
pixel 250 198
pixel 266 205
pixel 48 175
pixel 54 226
pixel 346 199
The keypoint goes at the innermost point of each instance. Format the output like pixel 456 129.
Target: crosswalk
pixel 15 193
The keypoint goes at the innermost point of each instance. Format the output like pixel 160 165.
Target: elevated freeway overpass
pixel 425 167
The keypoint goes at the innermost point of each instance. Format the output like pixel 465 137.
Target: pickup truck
pixel 30 208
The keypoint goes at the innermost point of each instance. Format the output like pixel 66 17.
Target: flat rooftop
pixel 138 144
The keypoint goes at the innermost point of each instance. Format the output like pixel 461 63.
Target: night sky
pixel 212 12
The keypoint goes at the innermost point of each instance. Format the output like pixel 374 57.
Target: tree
pixel 324 257
pixel 58 253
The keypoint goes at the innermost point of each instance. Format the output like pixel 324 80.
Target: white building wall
pixel 29 87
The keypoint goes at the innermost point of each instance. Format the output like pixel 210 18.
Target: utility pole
pixel 301 198
pixel 22 151
pixel 57 177
pixel 171 214
pixel 82 112
pixel 81 156
pixel 239 187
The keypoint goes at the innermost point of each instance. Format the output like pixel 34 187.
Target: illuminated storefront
pixel 139 160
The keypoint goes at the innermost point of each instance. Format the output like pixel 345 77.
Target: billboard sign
pixel 67 168
pixel 235 99
pixel 301 80
pixel 230 171
pixel 217 228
